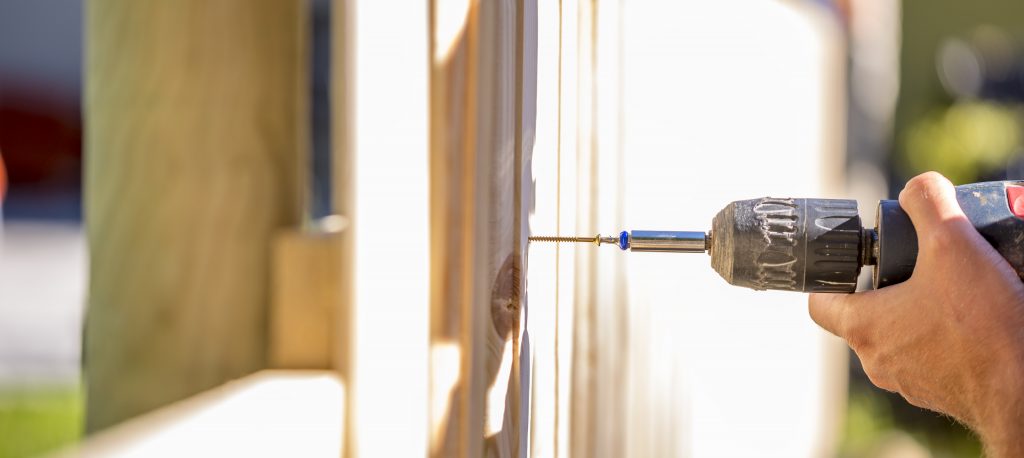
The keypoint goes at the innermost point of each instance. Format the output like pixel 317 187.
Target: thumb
pixel 849 316
pixel 830 311
pixel 930 201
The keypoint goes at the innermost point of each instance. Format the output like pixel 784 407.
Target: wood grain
pixel 477 162
pixel 195 119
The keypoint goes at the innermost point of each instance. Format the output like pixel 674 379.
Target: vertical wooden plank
pixel 481 73
pixel 526 116
pixel 579 389
pixel 542 278
pixel 497 302
pixel 490 111
pixel 585 346
pixel 567 222
pixel 611 318
pixel 343 199
pixel 195 115
pixel 471 402
pixel 502 63
pixel 453 91
pixel 389 135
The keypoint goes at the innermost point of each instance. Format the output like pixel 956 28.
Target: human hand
pixel 951 338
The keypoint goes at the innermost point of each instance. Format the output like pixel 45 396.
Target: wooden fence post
pixel 195 117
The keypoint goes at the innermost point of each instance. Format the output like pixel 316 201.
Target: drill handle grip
pixel 995 208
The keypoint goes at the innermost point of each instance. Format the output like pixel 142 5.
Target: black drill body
pixel 820 245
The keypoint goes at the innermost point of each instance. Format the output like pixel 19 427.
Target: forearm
pixel 1004 439
pixel 1001 423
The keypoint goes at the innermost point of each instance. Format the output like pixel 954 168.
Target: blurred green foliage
pixel 868 420
pixel 964 141
pixel 35 420
pixel 878 424
pixel 934 131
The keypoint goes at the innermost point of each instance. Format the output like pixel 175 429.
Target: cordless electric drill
pixel 820 245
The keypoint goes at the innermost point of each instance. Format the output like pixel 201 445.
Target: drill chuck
pixel 811 245
pixel 820 245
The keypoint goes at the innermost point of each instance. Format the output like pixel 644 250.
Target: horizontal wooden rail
pixel 270 413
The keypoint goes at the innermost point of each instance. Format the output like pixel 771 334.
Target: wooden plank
pixel 454 43
pixel 608 305
pixel 481 78
pixel 195 122
pixel 586 343
pixel 568 212
pixel 306 297
pixel 388 117
pixel 270 413
pixel 343 189
pixel 541 271
pixel 590 342
pixel 496 301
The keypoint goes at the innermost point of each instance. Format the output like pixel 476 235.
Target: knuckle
pixel 924 187
pixel 856 341
pixel 855 331
pixel 878 370
pixel 879 378
pixel 929 181
pixel 913 188
pixel 915 401
pixel 828 312
pixel 914 394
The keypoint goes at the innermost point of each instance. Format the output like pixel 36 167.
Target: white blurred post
pixel 723 101
pixel 388 119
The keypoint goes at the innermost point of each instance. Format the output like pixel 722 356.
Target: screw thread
pixel 543 238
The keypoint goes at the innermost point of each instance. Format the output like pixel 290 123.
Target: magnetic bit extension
pixel 663 241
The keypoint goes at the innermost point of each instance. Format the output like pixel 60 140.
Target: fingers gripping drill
pixel 820 245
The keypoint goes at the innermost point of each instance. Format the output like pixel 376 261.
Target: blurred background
pixel 42 244
pixel 935 85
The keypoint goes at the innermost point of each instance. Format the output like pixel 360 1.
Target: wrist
pixel 1000 421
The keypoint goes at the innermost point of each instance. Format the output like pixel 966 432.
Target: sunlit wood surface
pixel 270 413
pixel 477 226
